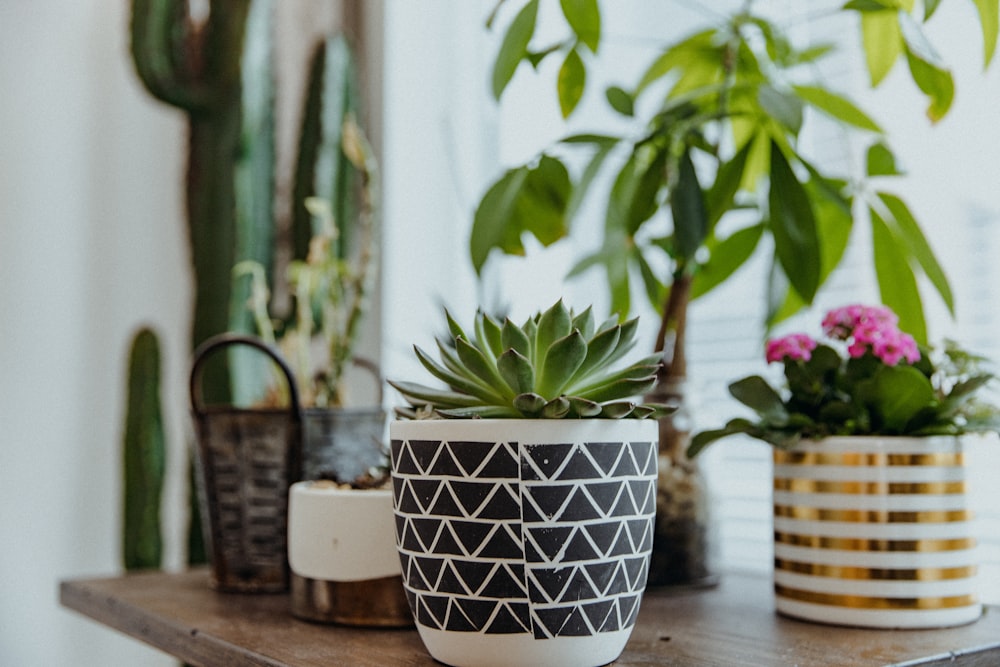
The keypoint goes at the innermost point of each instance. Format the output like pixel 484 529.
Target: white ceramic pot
pixel 342 554
pixel 874 532
pixel 524 542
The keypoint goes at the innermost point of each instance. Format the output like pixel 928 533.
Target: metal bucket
pixel 247 460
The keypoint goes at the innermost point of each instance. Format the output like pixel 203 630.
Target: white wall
pixel 91 245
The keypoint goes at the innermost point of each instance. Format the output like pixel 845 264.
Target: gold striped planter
pixel 874 532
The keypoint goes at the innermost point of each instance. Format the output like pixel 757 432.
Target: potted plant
pixel 707 164
pixel 524 491
pixel 871 524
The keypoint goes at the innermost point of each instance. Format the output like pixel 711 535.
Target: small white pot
pixel 874 532
pixel 524 542
pixel 342 554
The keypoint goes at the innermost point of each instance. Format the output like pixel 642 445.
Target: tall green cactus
pixel 143 456
pixel 220 72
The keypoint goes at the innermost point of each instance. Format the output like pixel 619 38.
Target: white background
pixel 91 246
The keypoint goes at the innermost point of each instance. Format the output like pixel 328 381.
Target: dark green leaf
pixel 514 47
pixel 581 407
pixel 529 403
pixel 495 225
pixel 871 5
pixel 726 257
pixel 557 408
pixel 489 334
pixel 570 83
pixel 909 230
pixel 584 17
pixel 759 396
pixel 793 226
pixel 457 382
pixel 721 195
pixel 687 205
pixel 897 284
pixel 633 198
pixel 585 323
pixel 896 395
pixel 782 107
pixel 477 364
pixel 419 395
pixel 619 390
pixel 620 101
pixel 554 324
pixel 617 410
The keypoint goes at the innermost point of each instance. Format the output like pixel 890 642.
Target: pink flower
pixel 792 346
pixel 892 348
pixel 841 323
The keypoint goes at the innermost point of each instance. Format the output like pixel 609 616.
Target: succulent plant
pixel 556 365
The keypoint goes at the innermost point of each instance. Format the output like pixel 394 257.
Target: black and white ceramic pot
pixel 524 542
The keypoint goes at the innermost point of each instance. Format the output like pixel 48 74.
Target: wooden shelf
pixel 733 624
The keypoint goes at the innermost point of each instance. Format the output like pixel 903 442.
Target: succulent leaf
pixel 516 371
pixel 529 403
pixel 513 337
pixel 562 360
pixel 545 368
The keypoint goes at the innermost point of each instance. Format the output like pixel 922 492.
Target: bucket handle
pixel 220 341
pixel 371 367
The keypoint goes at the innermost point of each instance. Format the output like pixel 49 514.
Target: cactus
pixel 143 456
pixel 220 74
pixel 219 71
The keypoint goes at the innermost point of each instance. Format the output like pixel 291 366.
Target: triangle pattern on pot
pixel 502 538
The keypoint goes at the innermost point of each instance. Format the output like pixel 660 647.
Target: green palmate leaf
pixel 633 198
pixel 513 338
pixel 782 107
pixel 584 17
pixel 677 55
pixel 516 370
pixel 793 227
pixel 514 47
pixel 495 225
pixel 908 229
pixel 593 167
pixel 725 258
pixel 897 284
pixel 525 199
pixel 571 82
pixel 837 106
pixel 418 393
pixel 880 161
pixel 755 393
pixel 896 395
pixel 687 205
pixel 722 194
pixel 479 366
pixel 656 291
pixel 620 100
pixel 935 82
pixel 883 42
pixel 989 20
pixel 562 360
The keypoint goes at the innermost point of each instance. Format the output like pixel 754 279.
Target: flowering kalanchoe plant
pixel 867 378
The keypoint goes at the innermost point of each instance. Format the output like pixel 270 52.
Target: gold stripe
pixel 874 573
pixel 860 602
pixel 867 488
pixel 869 459
pixel 865 544
pixel 871 516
